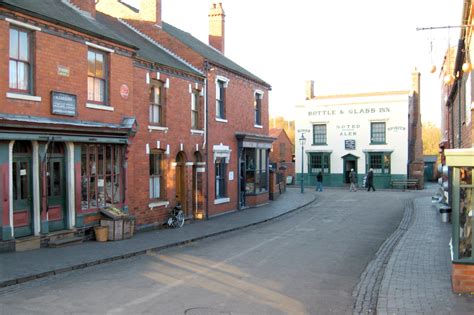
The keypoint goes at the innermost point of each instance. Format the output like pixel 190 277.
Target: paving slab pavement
pixel 18 267
pixel 417 278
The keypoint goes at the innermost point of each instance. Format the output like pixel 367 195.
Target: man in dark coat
pixel 370 180
pixel 319 181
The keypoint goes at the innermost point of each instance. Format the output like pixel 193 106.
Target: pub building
pixel 378 130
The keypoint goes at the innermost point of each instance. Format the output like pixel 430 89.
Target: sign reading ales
pixel 63 103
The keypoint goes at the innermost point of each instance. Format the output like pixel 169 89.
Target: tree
pixel 431 135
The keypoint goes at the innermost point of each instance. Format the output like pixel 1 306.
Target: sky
pixel 344 46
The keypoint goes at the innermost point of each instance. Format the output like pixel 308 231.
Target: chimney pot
pixel 217 27
pixel 309 89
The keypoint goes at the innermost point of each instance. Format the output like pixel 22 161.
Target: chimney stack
pixel 216 27
pixel 140 10
pixel 309 89
pixel 85 5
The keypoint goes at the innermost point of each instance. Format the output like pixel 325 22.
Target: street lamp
pixel 302 142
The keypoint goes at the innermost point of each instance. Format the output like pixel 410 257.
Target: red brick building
pixel 281 153
pixel 97 111
pixel 236 103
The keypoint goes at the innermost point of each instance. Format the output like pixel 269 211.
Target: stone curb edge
pixel 54 272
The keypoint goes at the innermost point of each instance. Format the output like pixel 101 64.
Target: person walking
pixel 353 180
pixel 319 181
pixel 370 180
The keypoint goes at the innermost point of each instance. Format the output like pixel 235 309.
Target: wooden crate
pixel 119 229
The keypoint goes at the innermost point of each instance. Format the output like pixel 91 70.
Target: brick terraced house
pixel 96 111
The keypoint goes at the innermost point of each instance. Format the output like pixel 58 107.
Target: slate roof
pixel 56 11
pixel 209 52
pixel 103 26
pixel 147 50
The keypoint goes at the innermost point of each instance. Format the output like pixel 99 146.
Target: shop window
pixel 20 66
pixel 156 174
pixel 319 162
pixel 97 77
pixel 101 176
pixel 256 170
pixel 466 206
pixel 220 184
pixel 157 101
pixel 379 162
pixel 319 135
pixel 377 133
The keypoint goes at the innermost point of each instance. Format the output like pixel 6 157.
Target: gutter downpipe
pixel 206 131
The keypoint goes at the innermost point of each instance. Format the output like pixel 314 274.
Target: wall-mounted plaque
pixel 63 103
pixel 350 144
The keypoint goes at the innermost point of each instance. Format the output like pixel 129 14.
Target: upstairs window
pixel 220 99
pixel 377 133
pixel 20 61
pixel 96 77
pixel 319 134
pixel 258 109
pixel 156 104
pixel 195 110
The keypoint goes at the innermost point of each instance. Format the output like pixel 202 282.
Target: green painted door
pixel 22 195
pixel 56 191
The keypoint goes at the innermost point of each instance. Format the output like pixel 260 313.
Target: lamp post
pixel 302 142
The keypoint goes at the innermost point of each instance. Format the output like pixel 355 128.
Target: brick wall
pixel 462 278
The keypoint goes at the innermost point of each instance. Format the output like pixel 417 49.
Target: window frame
pixel 385 162
pixel 156 84
pixel 322 137
pixel 220 98
pixel 195 110
pixel 256 172
pixel 220 184
pixel 30 42
pixel 156 157
pixel 105 79
pixel 258 98
pixel 323 165
pixel 374 133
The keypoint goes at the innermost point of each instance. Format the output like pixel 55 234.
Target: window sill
pixel 221 120
pixel 221 200
pixel 318 144
pixel 24 97
pixel 258 126
pixel 100 107
pixel 378 143
pixel 155 204
pixel 158 128
pixel 197 132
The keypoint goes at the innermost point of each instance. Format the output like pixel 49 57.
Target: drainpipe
pixel 206 134
pixel 459 111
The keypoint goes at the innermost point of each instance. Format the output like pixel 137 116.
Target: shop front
pixel 56 174
pixel 253 169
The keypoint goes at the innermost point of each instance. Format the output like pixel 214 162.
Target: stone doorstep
pixel 53 236
pixel 27 243
pixel 65 241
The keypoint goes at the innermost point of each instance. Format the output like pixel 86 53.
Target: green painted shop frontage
pixel 339 180
pixel 56 176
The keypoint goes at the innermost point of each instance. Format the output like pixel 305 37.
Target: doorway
pixel 349 162
pixel 22 189
pixel 180 181
pixel 56 187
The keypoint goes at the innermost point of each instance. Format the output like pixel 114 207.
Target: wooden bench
pixel 405 183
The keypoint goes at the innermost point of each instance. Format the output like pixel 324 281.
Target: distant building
pixel 281 154
pixel 380 130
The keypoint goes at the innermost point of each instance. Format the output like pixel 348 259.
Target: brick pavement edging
pixel 367 290
pixel 83 265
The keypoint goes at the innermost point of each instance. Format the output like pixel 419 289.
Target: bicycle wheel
pixel 179 222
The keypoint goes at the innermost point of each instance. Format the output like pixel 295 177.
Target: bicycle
pixel 176 217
